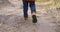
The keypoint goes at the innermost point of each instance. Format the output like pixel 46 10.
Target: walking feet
pixel 25 17
pixel 34 18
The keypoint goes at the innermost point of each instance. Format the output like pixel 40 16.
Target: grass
pixel 42 0
pixel 53 2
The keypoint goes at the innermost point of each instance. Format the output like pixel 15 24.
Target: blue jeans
pixel 25 7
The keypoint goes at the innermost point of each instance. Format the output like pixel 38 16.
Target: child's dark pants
pixel 25 7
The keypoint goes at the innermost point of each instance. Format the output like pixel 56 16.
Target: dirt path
pixel 11 20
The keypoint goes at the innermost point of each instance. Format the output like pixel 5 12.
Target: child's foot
pixel 25 17
pixel 34 19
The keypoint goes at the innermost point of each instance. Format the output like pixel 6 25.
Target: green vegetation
pixel 53 2
pixel 42 0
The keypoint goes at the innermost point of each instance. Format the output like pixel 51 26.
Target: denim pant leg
pixel 25 8
pixel 32 7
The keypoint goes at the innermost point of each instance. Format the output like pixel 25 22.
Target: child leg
pixel 25 9
pixel 33 11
